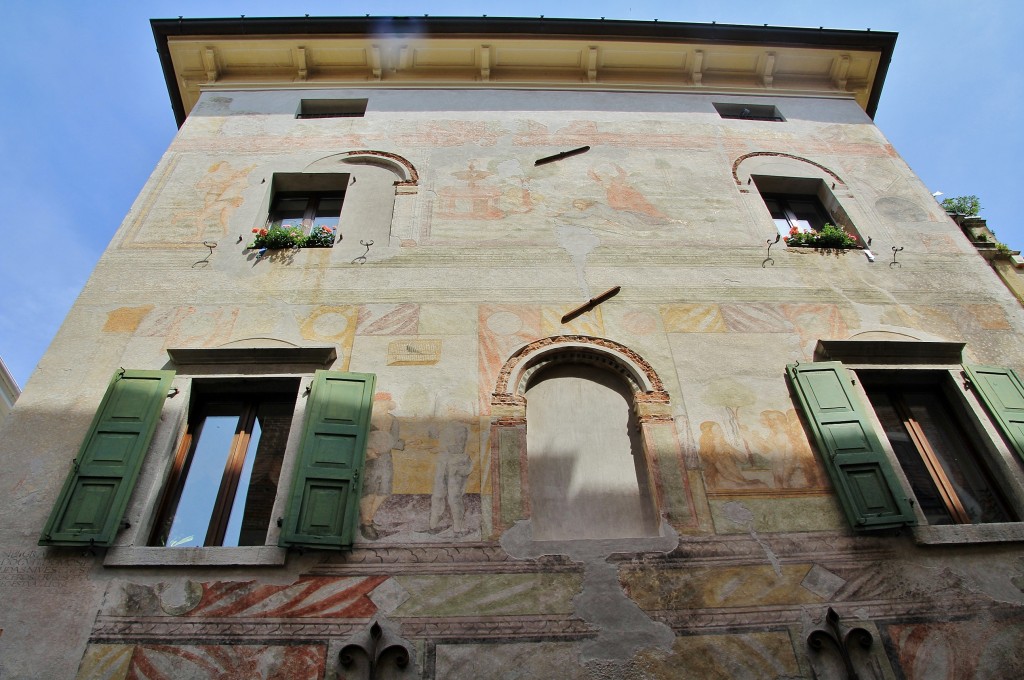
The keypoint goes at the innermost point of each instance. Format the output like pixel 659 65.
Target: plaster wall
pixel 477 253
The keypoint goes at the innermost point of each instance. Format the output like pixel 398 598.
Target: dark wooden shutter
pixel 323 507
pixel 1002 392
pixel 867 486
pixel 95 494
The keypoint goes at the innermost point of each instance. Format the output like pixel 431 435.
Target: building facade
pixel 443 348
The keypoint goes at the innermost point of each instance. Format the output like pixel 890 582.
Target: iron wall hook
pixel 894 263
pixel 362 258
pixel 769 257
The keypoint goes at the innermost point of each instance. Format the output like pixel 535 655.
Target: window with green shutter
pixel 92 502
pixel 934 435
pixel 868 489
pixel 323 506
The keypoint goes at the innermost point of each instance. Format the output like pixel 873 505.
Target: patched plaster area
pixel 623 628
pixel 579 242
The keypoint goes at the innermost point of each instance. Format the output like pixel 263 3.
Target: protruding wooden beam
pixel 560 156
pixel 768 72
pixel 696 72
pixel 590 304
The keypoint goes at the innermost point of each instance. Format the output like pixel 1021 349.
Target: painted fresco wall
pixel 476 255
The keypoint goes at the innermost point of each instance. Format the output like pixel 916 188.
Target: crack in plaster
pixel 623 628
pixel 739 514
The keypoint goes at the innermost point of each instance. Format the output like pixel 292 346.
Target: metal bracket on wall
pixel 373 650
pixel 769 257
pixel 206 260
pixel 362 258
pixel 840 642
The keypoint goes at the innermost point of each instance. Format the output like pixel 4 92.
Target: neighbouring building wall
pixel 740 544
pixel 9 391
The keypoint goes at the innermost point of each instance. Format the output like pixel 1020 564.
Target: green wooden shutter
pixel 1002 392
pixel 868 489
pixel 95 494
pixel 323 507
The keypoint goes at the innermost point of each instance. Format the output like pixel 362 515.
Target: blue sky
pixel 85 115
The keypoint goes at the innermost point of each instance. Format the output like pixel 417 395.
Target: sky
pixel 85 114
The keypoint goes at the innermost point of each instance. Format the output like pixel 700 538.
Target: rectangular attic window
pixel 332 108
pixel 749 111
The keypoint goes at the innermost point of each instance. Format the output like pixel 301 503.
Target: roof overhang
pixel 465 52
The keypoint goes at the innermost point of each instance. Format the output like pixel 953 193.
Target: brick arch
pixel 780 154
pixel 400 165
pixel 515 374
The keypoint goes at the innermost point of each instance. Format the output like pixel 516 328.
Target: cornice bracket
pixel 840 71
pixel 210 65
pixel 768 72
pixel 696 73
pixel 375 61
pixel 592 65
pixel 300 58
pixel 485 62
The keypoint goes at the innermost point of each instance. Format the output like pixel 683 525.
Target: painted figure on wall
pixel 774 456
pixel 723 461
pixel 379 477
pixel 222 188
pixel 451 471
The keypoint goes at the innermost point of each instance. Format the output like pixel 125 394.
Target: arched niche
pixel 614 371
pixel 588 475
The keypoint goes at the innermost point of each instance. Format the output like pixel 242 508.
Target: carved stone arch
pixel 406 171
pixel 784 156
pixel 608 354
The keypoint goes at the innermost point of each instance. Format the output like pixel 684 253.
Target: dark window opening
pixel 306 210
pixel 332 108
pixel 749 112
pixel 805 213
pixel 948 473
pixel 224 478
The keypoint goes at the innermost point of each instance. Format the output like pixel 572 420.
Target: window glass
pixel 224 480
pixel 289 212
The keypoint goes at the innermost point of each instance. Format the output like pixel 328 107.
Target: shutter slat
pixel 92 502
pixel 323 507
pixel 864 480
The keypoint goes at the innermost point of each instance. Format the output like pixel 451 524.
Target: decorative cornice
pixel 583 54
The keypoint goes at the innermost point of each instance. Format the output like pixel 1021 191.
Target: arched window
pixel 588 475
